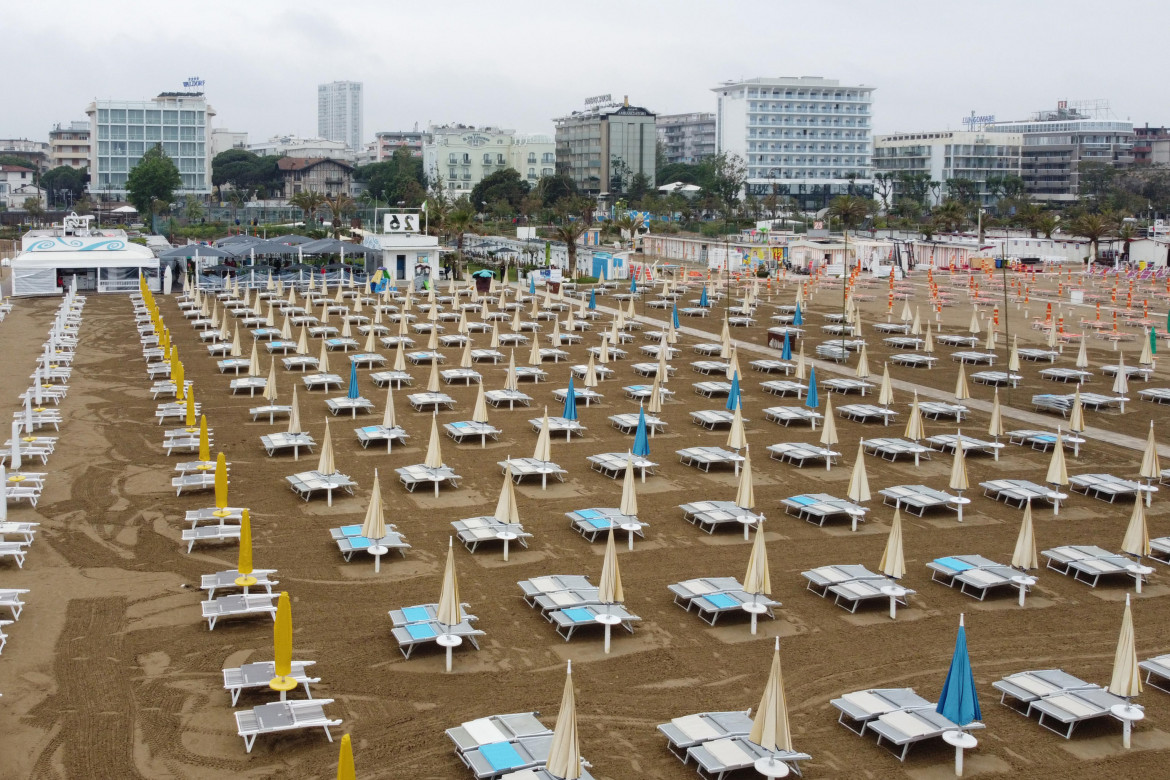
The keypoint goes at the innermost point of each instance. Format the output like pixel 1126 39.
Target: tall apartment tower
pixel 339 112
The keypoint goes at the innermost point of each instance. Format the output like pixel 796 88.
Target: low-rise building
pixel 35 152
pixel 462 155
pixel 322 175
pixel 1151 145
pixel 686 138
pixel 223 139
pixel 387 142
pixel 295 146
pixel 17 185
pixel 948 154
pixel 69 145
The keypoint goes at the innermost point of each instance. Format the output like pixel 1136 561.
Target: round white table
pixel 895 592
pixel 755 609
pixel 1023 581
pixel 1128 714
pixel 449 642
pixel 769 767
pixel 961 741
pixel 506 537
pixel 1138 571
pixel 609 621
pixel 377 550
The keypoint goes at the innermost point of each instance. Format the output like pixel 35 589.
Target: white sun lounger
pixel 917 499
pixel 1018 691
pixel 237 605
pixel 10 599
pixel 975 575
pixel 283 716
pixel 703 458
pixel 216 532
pixel 712 418
pixel 306 483
pixel 433 401
pixel 1107 487
pixel 822 578
pixel 350 540
pixel 26 531
pixel 798 453
pixel 709 515
pixel 420 474
pixel 613 464
pixel 688 590
pixel 397 378
pixel 380 433
pixel 567 621
pixel 1072 707
pixel 861 708
pixel 852 594
pixel 412 635
pixel 594 522
pixel 226 580
pixel 496 728
pixel 785 415
pixel 551 583
pixel 1157 672
pixel 1087 563
pixel 256 676
pixel 474 531
pixel 816 508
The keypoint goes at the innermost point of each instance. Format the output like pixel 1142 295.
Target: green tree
pixel 35 208
pixel 400 178
pixel 459 222
pixel 883 185
pixel 966 191
pixel 639 187
pixel 64 184
pixel 155 177
pixel 309 202
pixel 502 185
pixel 568 231
pixel 684 172
pixel 951 215
pixel 555 188
pixel 339 207
pixel 1094 227
pixel 192 209
pixel 723 177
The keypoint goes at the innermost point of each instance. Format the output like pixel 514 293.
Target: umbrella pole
pixel 1023 593
pixel 631 539
pixel 505 550
pixel 608 627
pixel 450 650
pixel 961 502
pixel 377 563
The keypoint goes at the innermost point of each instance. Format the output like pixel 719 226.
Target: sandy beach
pixel 111 673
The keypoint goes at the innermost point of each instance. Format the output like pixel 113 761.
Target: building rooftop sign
pixel 193 82
pixel 972 122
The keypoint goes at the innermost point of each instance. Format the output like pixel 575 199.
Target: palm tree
pixel 1046 224
pixel 1093 227
pixel 338 206
pixel 629 224
pixel 459 222
pixel 309 202
pixel 952 215
pixel 569 231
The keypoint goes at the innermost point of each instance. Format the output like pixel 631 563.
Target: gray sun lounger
pixel 552 583
pixel 1157 671
pixel 226 580
pixel 474 531
pixel 905 728
pixel 1019 691
pixel 917 499
pixel 703 458
pixel 816 508
pixel 975 575
pixel 852 594
pixel 473 734
pixel 688 731
pixel 237 605
pixel 256 676
pixel 686 591
pixel 719 757
pixel 710 515
pixel 596 521
pixel 283 716
pixel 1107 487
pixel 14 550
pixel 1073 707
pixel 413 635
pixel 567 621
pixel 1087 563
pixel 216 532
pixel 10 599
pixel 861 708
pixel 798 453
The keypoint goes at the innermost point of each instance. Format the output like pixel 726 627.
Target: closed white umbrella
pixel 829 430
pixel 449 612
pixel 736 435
pixel 959 481
pixel 1121 381
pixel 886 390
pixel 1126 680
pixel 1024 555
pixel 995 424
pixel 928 346
pixel 1057 470
pixel 374 524
pixel 465 356
pixel 770 726
pixel 270 384
pixel 862 364
pixel 1014 358
pixel 389 417
pixel 564 754
pixel 325 464
pixel 961 391
pixel 510 381
pixel 507 511
pixel 609 587
pixel 1083 353
pixel 433 378
pixel 434 458
pixel 400 357
pixel 323 359
pixel 1151 467
pixel 893 562
pixel 758 579
pixel 858 491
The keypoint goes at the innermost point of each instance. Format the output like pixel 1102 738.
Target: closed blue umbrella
pixel 570 412
pixel 811 400
pixel 797 317
pixel 641 441
pixel 958 702
pixel 593 300
pixel 787 353
pixel 633 284
pixel 531 284
pixel 674 315
pixel 705 303
pixel 352 391
pixel 733 396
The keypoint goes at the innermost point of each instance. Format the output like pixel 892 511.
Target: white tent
pixel 36 272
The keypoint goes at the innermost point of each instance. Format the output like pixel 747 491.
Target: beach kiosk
pixel 101 260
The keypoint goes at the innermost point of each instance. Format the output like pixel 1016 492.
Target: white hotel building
pixel 808 138
pixel 463 156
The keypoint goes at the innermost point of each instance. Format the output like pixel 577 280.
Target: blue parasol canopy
pixel 811 400
pixel 958 701
pixel 593 300
pixel 641 441
pixel 674 314
pixel 352 391
pixel 733 399
pixel 703 302
pixel 570 412
pixel 798 317
pixel 787 353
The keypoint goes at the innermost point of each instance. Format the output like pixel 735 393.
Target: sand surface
pixel 110 672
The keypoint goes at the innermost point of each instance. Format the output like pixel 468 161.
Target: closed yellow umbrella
pixel 1057 470
pixel 179 377
pixel 244 564
pixel 893 560
pixel 1151 467
pixel 564 754
pixel 770 726
pixel 325 464
pixel 374 524
pixel 758 579
pixel 345 768
pixel 282 635
pixel 221 487
pixel 204 445
pixel 829 430
pixel 189 419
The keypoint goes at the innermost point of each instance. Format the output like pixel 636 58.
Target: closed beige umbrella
pixel 325 464
pixel 403 325
pixel 974 328
pixel 389 416
pixel 434 458
pixel 603 353
pixel 1137 536
pixel 1151 467
pixel 510 381
pixel 654 405
pixel 480 414
pixel 323 359
pixel 1076 421
pixel 725 341
pixel 1014 358
pixel 1147 356
pixel 893 560
pixel 906 315
pixel 1121 381
pixel 916 327
pixel 507 512
pixel 770 725
pixel 995 424
pixel 745 493
pixel 555 337
pixel 1083 353
pixel 862 371
pixel 514 326
pixel 928 346
pixel 1057 470
pixel 254 362
pixel 564 754
pixel 858 491
pixel 346 328
pixel 303 341
pixel 270 317
pixel 629 505
pixel 829 430
pixel 370 345
pixel 663 372
pixel 294 421
pixel 1024 555
pixel 450 612
pixel 799 372
pixel 1126 680
pixel 590 379
pixel 270 384
pixel 433 377
pixel 286 329
pixel 462 327
pixel 534 358
pixel 989 342
pixel 733 365
pixel 374 524
pixel 914 428
pixel 961 391
pixel 609 587
pixel 543 449
pixel 959 481
pixel 465 356
pixel 236 350
pixel 433 339
pixel 736 435
pixel 400 357
pixel 758 579
pixel 630 313
pixel 495 342
pixel 886 390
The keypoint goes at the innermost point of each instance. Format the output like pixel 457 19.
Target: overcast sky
pixel 516 63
